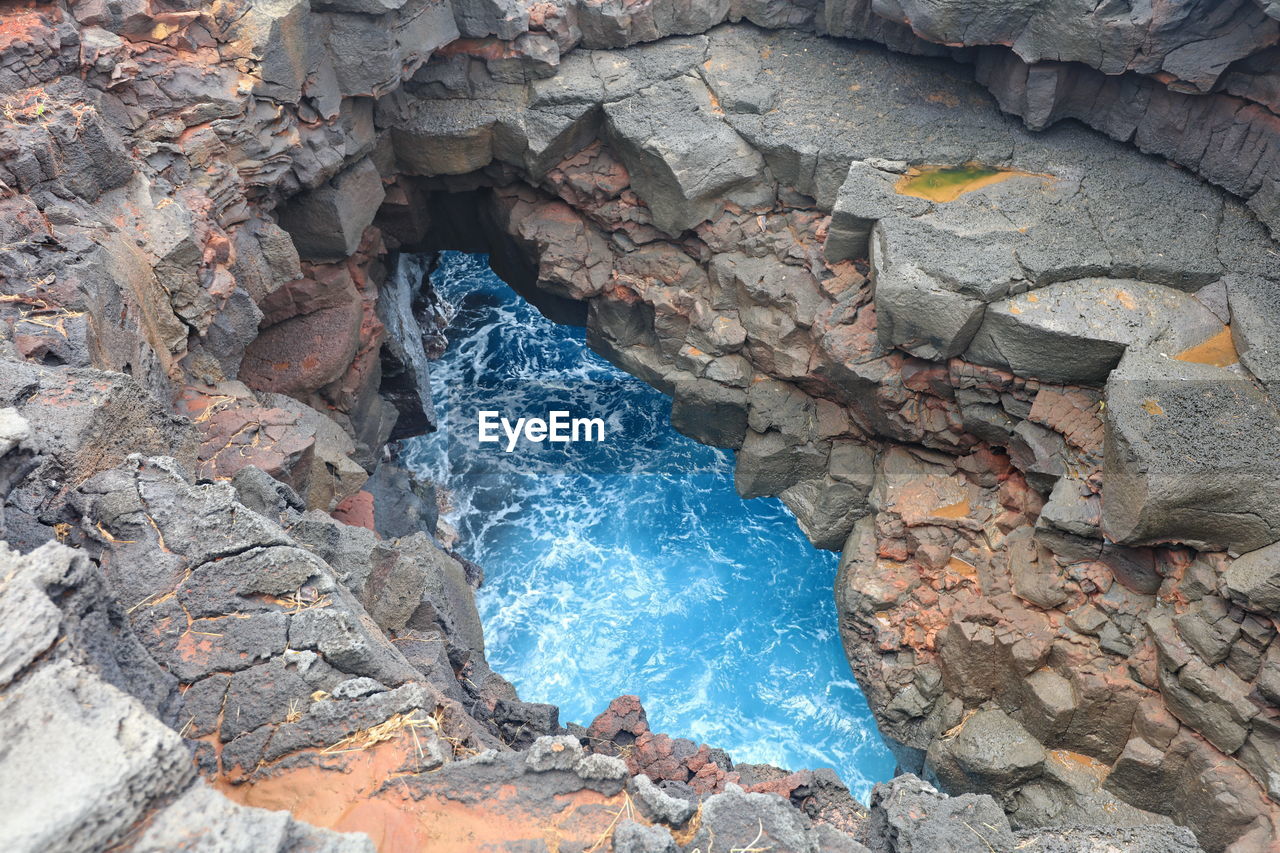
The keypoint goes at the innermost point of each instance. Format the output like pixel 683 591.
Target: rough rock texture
pixel 1003 372
pixel 88 765
pixel 969 392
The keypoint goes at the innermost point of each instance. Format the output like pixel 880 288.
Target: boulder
pixel 615 23
pixel 1076 331
pixel 632 837
pixel 86 421
pixel 991 753
pixel 750 821
pixel 278 35
pixel 1253 579
pixel 83 762
pixel 709 412
pixel 682 159
pixel 658 805
pixel 1211 700
pixel 827 509
pixel 1192 455
pixel 442 136
pixel 326 223
pixel 768 463
pixel 910 816
pixel 402 504
pixel 919 312
pixel 1255 316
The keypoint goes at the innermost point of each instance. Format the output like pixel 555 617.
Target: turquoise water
pixel 631 565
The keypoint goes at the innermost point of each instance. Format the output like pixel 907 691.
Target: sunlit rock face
pixel 945 339
pixel 1036 417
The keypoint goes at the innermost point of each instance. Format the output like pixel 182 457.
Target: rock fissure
pixel 995 522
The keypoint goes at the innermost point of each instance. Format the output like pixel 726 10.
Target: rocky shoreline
pixel 1023 381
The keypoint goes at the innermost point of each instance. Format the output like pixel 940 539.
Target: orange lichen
pixel 363 795
pixel 1218 351
pixel 959 509
pixel 1079 761
pixel 962 568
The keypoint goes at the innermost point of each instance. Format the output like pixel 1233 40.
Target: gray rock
pixel 632 837
pixel 1253 579
pixel 447 602
pixel 83 762
pixel 278 35
pixel 593 77
pixel 910 816
pixel 1051 700
pixel 18 453
pixel 355 688
pixel 1076 331
pixel 991 753
pixel 614 23
pixel 765 281
pixel 406 373
pixel 86 421
pixel 712 413
pixel 554 752
pixel 1130 839
pixel 1210 700
pixel 326 223
pixel 347 643
pixel 598 768
pixel 1035 574
pixel 658 805
pixel 683 160
pixel 442 136
pixel 918 312
pixel 264 494
pixel 31 621
pixel 1072 509
pixel 768 463
pixel 479 18
pixel 749 821
pixel 827 509
pixel 1255 316
pixel 866 197
pixel 1192 454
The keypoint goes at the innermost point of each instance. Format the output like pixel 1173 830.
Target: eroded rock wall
pixel 1036 416
pixel 940 385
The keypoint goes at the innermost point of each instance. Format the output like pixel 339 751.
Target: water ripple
pixel 631 566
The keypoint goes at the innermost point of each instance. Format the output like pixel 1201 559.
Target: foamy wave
pixel 632 566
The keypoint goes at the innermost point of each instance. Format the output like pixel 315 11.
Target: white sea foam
pixel 631 566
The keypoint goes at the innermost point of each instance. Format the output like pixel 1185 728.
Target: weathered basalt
pixel 1041 550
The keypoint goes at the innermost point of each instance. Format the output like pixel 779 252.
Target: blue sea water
pixel 631 565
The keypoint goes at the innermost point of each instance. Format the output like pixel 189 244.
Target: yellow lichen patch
pixel 1152 407
pixel 1126 299
pixel 1218 351
pixel 947 183
pixel 1078 761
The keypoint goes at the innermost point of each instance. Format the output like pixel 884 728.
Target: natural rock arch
pixel 170 266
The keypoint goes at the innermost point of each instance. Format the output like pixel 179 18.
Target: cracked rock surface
pixel 1023 381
